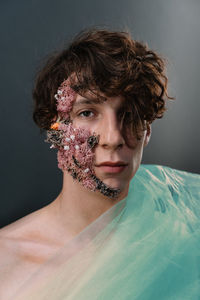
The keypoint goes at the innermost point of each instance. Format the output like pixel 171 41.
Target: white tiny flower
pixel 52 146
pixel 72 137
pixel 86 170
pixel 56 96
pixel 59 92
pixel 67 139
pixel 62 98
pixel 77 147
pixel 66 147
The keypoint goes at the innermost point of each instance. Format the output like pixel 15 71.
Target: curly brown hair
pixel 109 63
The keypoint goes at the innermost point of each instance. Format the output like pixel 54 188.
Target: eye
pixel 86 113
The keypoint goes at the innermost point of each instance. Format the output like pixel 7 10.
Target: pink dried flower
pixel 65 97
pixel 89 183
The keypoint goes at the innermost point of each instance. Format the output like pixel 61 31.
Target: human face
pixel 104 118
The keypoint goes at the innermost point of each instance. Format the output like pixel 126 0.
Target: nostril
pixel 112 145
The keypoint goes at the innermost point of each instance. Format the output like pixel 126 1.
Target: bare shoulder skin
pixel 24 245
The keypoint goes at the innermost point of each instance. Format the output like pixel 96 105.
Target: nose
pixel 111 132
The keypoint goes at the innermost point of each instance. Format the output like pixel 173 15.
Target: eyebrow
pixel 87 101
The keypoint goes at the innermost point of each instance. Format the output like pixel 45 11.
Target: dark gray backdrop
pixel 31 29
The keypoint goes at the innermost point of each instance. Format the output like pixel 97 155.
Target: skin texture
pixel 32 240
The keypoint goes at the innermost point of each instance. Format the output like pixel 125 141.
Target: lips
pixel 111 167
pixel 112 164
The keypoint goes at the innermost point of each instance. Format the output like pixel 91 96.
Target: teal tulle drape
pixel 146 247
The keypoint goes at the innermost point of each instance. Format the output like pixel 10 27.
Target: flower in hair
pixel 55 126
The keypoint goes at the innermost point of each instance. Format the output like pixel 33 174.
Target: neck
pixel 76 207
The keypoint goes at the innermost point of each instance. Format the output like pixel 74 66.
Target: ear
pixel 147 134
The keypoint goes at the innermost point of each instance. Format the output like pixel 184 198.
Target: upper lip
pixel 112 164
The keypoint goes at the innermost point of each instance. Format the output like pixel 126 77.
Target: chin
pixel 116 183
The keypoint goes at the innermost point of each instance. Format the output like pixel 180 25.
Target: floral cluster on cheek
pixel 65 98
pixel 75 145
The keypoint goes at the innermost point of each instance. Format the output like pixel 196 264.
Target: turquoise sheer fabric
pixel 146 247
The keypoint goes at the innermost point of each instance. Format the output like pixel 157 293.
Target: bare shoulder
pixel 25 235
pixel 12 235
pixel 23 248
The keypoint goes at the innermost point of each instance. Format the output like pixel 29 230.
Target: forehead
pixel 89 98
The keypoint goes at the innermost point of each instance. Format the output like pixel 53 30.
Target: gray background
pixel 30 30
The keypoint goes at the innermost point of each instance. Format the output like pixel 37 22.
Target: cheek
pixel 135 155
pixel 87 126
pixel 133 140
pixel 76 155
pixel 132 149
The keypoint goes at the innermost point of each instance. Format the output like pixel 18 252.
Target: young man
pixel 117 230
